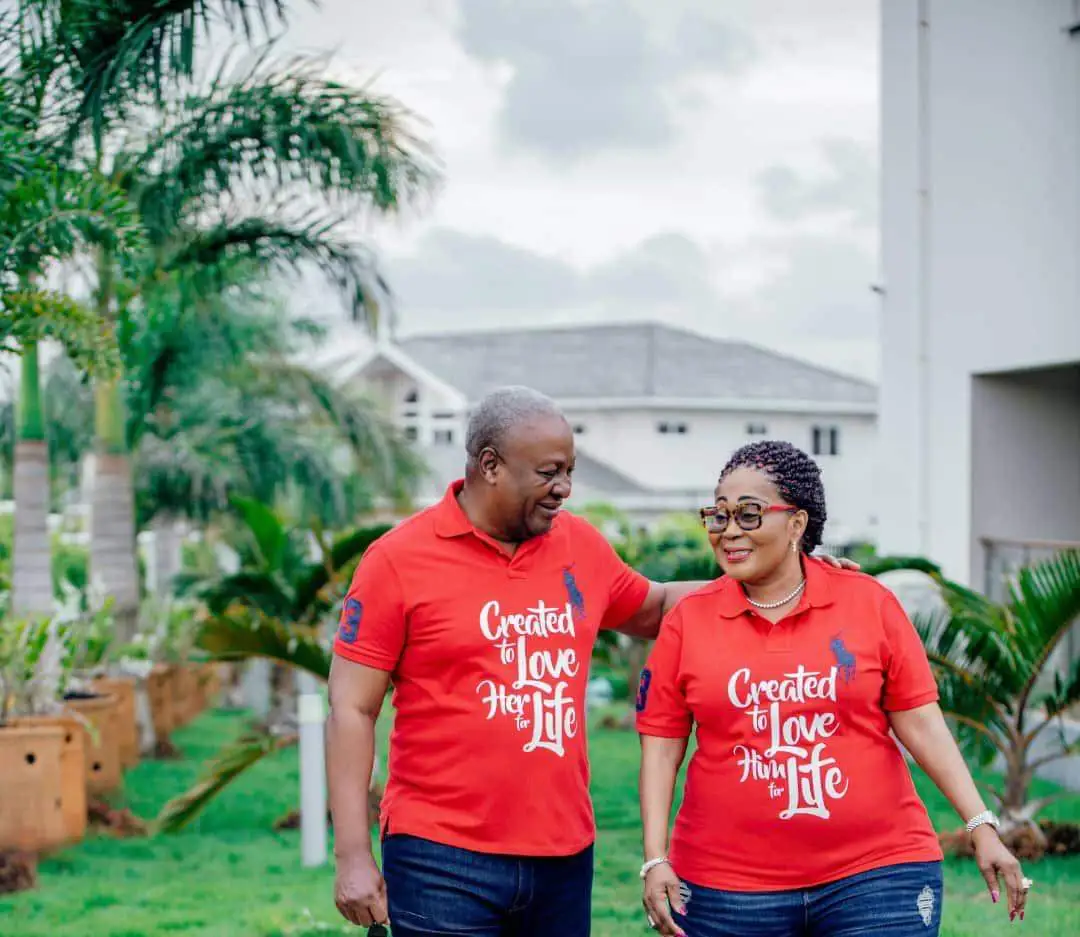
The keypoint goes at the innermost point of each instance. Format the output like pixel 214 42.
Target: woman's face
pixel 756 554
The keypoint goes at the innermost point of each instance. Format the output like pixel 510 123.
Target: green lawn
pixel 234 877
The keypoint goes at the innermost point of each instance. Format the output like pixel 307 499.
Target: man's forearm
pixel 350 757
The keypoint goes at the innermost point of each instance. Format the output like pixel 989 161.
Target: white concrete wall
pixel 390 386
pixel 629 441
pixel 980 209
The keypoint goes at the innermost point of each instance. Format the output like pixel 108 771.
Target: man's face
pixel 532 476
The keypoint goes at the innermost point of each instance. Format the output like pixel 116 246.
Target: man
pixel 483 611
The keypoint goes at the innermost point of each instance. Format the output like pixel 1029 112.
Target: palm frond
pixel 1045 604
pixel 124 48
pixel 231 762
pixel 341 558
pixel 284 243
pixel 887 564
pixel 241 634
pixel 267 531
pixel 280 124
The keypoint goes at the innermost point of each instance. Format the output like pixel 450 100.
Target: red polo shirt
pixel 796 780
pixel 489 656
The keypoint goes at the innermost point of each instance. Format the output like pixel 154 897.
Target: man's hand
pixel 360 892
pixel 841 563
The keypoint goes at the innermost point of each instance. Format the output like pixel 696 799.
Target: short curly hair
pixel 797 477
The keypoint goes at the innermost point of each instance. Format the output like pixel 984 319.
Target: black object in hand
pixel 378 930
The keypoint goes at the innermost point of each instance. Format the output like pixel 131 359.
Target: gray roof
pixel 626 361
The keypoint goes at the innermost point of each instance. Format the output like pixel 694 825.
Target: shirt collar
pixel 450 520
pixel 818 592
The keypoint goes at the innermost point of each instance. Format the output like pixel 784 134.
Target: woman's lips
pixel 736 556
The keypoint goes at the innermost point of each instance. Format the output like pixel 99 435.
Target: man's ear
pixel 488 463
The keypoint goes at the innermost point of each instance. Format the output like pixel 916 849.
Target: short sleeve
pixel 909 681
pixel 661 706
pixel 626 587
pixel 372 626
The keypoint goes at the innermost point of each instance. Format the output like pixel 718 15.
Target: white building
pixel 657 410
pixel 980 396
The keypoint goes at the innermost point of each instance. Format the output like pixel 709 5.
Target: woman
pixel 799 816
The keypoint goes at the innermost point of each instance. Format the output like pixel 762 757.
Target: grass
pixel 232 876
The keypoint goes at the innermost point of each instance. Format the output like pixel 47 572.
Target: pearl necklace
pixel 784 601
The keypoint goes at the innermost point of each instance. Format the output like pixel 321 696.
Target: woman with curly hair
pixel 799 815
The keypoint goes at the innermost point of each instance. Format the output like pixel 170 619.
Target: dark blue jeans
pixel 894 901
pixel 437 890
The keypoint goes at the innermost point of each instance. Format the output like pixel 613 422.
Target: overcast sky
pixel 711 163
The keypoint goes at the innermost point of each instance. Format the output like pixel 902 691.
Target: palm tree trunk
pixel 167 541
pixel 113 557
pixel 31 583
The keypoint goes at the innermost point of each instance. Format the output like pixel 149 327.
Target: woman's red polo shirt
pixel 796 780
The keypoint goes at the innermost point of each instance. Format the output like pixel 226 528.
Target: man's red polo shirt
pixel 796 780
pixel 489 656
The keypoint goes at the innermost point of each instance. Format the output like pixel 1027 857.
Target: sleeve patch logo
pixel 351 615
pixel 643 690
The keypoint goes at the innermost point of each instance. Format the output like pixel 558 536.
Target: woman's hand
pixel 663 888
pixel 994 860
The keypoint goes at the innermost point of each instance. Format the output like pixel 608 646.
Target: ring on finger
pixel 1025 884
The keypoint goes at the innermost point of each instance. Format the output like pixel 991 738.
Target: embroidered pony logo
pixel 352 613
pixel 643 690
pixel 573 593
pixel 845 660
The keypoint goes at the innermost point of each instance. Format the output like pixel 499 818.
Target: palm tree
pixel 277 608
pixel 993 665
pixel 47 214
pixel 217 173
pixel 217 407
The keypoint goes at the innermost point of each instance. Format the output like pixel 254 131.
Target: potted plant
pixel 42 775
pixel 95 673
pixel 85 626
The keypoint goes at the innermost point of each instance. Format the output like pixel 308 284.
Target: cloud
pixel 847 184
pixel 814 300
pixel 590 76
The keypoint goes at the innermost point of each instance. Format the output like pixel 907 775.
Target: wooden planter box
pixel 72 770
pixel 103 774
pixel 187 702
pixel 32 815
pixel 127 726
pixel 159 688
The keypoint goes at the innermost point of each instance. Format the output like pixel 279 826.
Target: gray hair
pixel 499 412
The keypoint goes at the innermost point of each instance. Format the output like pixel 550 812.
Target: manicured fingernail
pixel 1012 916
pixel 994 896
pixel 1021 915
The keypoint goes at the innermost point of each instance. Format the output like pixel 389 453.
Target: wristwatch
pixel 652 864
pixel 987 816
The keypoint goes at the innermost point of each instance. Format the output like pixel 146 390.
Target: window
pixel 665 427
pixel 826 440
pixel 756 429
pixel 410 433
pixel 413 396
pixel 444 437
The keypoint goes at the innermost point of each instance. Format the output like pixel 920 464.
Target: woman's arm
pixel 660 762
pixel 661 759
pixel 924 732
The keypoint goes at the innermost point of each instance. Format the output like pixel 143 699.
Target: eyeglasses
pixel 748 515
